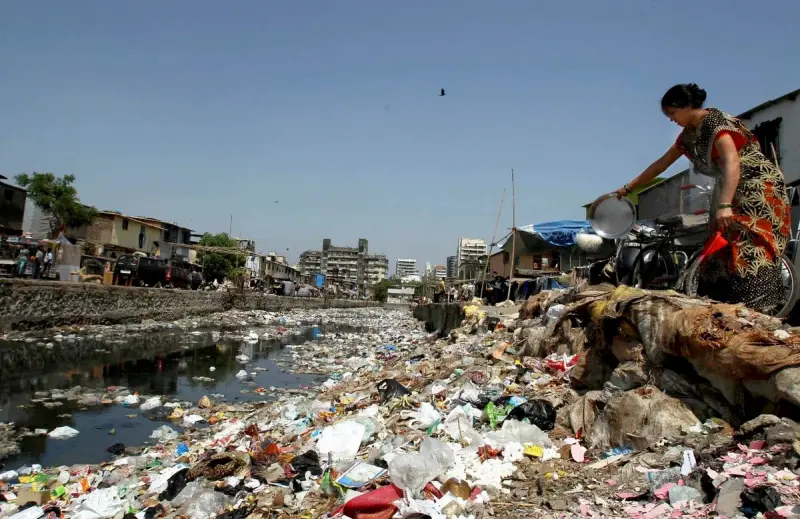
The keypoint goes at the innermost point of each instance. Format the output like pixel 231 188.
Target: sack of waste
pixel 641 418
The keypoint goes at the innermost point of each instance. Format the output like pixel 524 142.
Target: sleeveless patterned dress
pixel 749 270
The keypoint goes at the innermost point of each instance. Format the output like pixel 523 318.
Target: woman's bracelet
pixel 724 206
pixel 627 189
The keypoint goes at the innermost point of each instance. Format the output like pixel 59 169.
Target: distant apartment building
pixel 440 271
pixel 404 267
pixel 345 265
pixel 471 252
pixel 452 267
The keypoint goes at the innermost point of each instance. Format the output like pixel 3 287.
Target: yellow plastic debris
pixel 534 451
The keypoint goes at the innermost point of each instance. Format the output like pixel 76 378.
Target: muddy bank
pixel 29 305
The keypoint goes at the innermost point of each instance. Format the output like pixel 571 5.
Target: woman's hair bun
pixel 684 95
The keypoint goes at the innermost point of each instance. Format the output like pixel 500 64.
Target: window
pixel 125 224
pixel 8 195
pixel 767 135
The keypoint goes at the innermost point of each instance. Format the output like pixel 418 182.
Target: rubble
pixel 592 403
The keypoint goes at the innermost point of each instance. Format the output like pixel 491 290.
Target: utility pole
pixel 513 232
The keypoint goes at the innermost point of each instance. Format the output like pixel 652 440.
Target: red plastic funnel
pixel 713 245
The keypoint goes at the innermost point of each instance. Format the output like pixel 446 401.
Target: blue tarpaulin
pixel 547 235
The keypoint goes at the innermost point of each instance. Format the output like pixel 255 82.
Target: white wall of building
pixel 788 135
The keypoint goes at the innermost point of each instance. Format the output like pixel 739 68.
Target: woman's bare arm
pixel 656 168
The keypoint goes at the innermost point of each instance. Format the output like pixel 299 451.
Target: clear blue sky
pixel 190 110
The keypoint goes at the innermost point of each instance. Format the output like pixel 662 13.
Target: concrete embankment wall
pixel 440 318
pixel 27 305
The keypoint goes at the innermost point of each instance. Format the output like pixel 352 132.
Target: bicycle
pixel 661 264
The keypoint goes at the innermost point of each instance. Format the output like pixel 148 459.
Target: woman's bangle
pixel 627 189
pixel 724 206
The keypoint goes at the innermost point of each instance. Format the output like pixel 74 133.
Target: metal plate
pixel 612 217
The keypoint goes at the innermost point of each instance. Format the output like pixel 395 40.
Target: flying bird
pixel 441 93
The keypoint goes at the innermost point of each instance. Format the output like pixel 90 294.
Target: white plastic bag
pixel 342 440
pixel 206 504
pixel 242 374
pixel 411 472
pixel 164 433
pixel 458 424
pixel 151 403
pixel 438 451
pixel 519 432
pixel 63 433
pixel 130 400
pixel 425 416
pixel 187 494
pixel 102 503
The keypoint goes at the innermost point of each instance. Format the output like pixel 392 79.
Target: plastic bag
pixel 151 403
pixel 242 374
pixel 538 412
pixel 130 400
pixel 411 472
pixel 164 433
pixel 438 451
pixel 102 503
pixel 391 388
pixel 371 426
pixel 519 432
pixel 63 433
pixel 205 504
pixel 457 424
pixel 342 440
pixel 426 415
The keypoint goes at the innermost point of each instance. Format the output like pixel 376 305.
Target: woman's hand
pixel 622 192
pixel 723 219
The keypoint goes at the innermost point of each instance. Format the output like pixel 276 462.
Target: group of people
pixel 41 262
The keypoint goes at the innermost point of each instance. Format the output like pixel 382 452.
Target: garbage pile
pixel 587 403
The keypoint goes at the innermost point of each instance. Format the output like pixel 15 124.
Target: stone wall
pixel 440 318
pixel 26 305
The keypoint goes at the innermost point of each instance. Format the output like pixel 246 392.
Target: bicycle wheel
pixel 654 268
pixel 788 276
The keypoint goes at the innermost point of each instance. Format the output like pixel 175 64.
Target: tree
pixel 380 290
pixel 58 198
pixel 217 265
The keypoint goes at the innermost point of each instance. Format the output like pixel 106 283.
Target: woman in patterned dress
pixel 749 204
